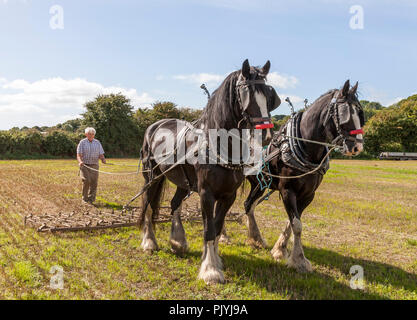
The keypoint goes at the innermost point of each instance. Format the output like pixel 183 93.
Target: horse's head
pixel 256 100
pixel 348 119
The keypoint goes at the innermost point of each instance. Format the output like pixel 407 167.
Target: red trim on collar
pixel 264 126
pixel 354 132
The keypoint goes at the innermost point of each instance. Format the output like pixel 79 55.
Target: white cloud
pixel 53 100
pixel 284 108
pixel 296 100
pixel 199 78
pixel 275 79
pixel 371 93
pixel 282 81
pixel 393 101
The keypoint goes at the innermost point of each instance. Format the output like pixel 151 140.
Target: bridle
pixel 341 138
pixel 254 122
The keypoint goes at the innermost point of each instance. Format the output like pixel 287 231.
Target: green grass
pixel 364 213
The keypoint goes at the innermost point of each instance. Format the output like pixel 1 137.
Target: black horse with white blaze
pixel 336 117
pixel 243 101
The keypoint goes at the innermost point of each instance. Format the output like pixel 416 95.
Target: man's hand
pixel 103 160
pixel 81 164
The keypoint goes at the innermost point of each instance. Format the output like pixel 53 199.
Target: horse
pixel 242 101
pixel 335 117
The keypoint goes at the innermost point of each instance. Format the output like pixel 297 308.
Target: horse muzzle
pixel 266 124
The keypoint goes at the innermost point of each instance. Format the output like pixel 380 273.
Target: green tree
pixel 59 143
pixel 370 108
pixel 393 128
pixel 112 117
pixel 162 110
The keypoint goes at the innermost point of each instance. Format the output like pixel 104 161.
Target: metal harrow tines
pixel 97 219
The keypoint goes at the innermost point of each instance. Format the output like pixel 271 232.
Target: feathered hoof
pixel 219 262
pixel 301 265
pixel 257 243
pixel 211 276
pixel 280 253
pixel 224 239
pixel 178 247
pixel 149 246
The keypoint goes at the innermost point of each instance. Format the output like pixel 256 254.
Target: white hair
pixel 90 130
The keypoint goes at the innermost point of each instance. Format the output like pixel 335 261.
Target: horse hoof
pixel 211 276
pixel 224 239
pixel 179 248
pixel 302 265
pixel 149 246
pixel 280 254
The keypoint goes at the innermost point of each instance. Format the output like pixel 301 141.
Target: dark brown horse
pixel 336 117
pixel 242 101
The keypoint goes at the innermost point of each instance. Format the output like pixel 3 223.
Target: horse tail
pixel 151 201
pixel 155 184
pixel 144 156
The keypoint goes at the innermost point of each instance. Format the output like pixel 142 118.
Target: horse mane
pixel 350 98
pixel 324 95
pixel 221 107
pixel 221 104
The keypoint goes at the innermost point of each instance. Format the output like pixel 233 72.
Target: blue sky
pixel 164 50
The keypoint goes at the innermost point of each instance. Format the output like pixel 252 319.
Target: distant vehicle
pixel 398 156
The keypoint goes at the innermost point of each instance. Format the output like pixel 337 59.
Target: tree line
pixel 121 129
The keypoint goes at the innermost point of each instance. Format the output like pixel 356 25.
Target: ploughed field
pixel 364 213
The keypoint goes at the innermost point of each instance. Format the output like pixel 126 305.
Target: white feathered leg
pixel 280 251
pixel 209 270
pixel 297 259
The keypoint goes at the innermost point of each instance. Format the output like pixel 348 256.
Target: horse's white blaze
pixel 357 123
pixel 261 101
pixel 263 106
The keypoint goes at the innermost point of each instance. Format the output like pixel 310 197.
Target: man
pixel 89 151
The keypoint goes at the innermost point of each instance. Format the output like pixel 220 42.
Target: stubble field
pixel 364 213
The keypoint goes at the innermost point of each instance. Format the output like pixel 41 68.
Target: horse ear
pixel 346 87
pixel 246 69
pixel 266 67
pixel 354 89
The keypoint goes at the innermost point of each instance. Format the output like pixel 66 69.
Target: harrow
pixel 96 219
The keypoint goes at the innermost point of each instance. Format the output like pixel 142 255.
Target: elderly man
pixel 89 151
